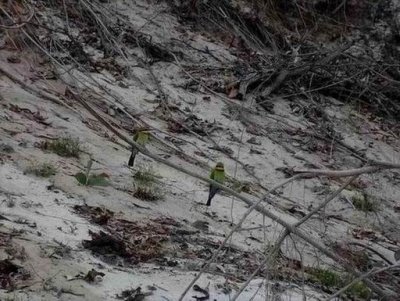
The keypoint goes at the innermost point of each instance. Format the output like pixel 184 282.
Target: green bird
pixel 141 137
pixel 218 175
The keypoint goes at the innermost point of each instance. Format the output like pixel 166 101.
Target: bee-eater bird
pixel 218 175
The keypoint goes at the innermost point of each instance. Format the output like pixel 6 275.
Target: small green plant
pixel 145 176
pixel 149 193
pixel 330 279
pixel 325 277
pixel 365 203
pixel 65 147
pixel 359 290
pixel 42 170
pixel 145 182
pixel 92 180
pixel 88 179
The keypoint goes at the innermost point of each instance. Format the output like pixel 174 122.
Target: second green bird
pixel 218 175
pixel 141 137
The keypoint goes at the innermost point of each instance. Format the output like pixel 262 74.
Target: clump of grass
pixel 325 277
pixel 146 187
pixel 44 170
pixel 65 147
pixel 364 203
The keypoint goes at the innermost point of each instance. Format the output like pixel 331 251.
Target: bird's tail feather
pixel 212 193
pixel 132 157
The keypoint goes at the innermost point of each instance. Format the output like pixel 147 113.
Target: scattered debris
pixel 294 210
pixel 35 116
pixel 224 149
pixel 206 294
pixel 134 294
pixel 255 151
pixel 11 274
pixel 253 140
pixel 97 215
pixel 194 124
pixel 364 234
pixel 94 276
pixel 5 148
pixel 13 59
pixel 201 225
pixel 359 259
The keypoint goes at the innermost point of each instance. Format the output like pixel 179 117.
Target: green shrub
pixel 65 147
pixel 42 170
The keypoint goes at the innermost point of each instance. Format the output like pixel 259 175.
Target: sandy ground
pixel 41 211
